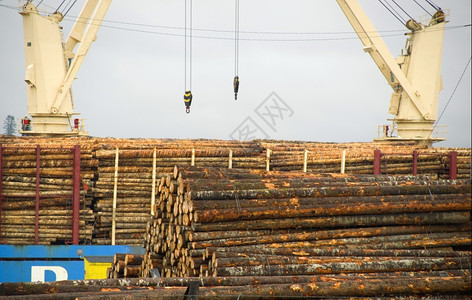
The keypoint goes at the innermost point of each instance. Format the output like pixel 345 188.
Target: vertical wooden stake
pixel 76 197
pixel 153 188
pixel 230 163
pixel 305 160
pixel 115 191
pixel 36 217
pixel 268 160
pixel 343 162
pixel 193 158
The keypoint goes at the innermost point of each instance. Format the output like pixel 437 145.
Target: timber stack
pixel 37 187
pixel 359 158
pixel 138 170
pixel 239 223
pixel 240 230
pixel 136 166
pixel 131 265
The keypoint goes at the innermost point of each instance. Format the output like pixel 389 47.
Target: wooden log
pixel 267 237
pixel 352 288
pixel 302 201
pixel 119 257
pixel 417 264
pixel 449 217
pixel 269 260
pixel 196 174
pixel 133 259
pixel 331 192
pixel 208 216
pixel 408 241
pixel 107 241
pixel 173 153
pixel 45 203
pixel 14 288
pixel 48 163
pixel 331 251
pixel 50 220
pixel 71 291
pixel 58 181
pixel 132 271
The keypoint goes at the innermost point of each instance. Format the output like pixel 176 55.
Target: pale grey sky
pixel 132 81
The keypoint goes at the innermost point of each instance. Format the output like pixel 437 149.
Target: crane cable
pixel 433 5
pixel 69 7
pixel 236 50
pixel 422 7
pixel 65 7
pixel 60 6
pixel 403 10
pixel 188 92
pixel 393 12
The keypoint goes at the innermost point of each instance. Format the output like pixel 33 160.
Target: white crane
pixel 415 76
pixel 51 66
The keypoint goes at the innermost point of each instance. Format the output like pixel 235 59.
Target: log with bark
pixel 214 211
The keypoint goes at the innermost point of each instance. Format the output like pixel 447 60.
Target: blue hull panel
pixel 26 263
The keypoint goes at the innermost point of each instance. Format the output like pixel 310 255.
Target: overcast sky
pixel 131 83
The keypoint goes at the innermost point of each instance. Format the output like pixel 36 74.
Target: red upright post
pixel 377 158
pixel 76 196
pixel 36 217
pixel 453 165
pixel 415 162
pixel 1 187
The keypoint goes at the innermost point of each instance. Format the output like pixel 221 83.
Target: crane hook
pixel 188 100
pixel 236 87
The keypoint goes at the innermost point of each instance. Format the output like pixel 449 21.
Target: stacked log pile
pixel 249 232
pixel 19 184
pixel 136 164
pixel 359 158
pixel 135 168
pixel 131 265
pixel 463 161
pixel 231 223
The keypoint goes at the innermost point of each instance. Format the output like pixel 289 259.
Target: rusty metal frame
pixel 75 193
pixel 452 165
pixel 415 162
pixel 451 155
pixel 377 159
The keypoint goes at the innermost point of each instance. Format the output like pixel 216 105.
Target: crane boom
pixel 92 14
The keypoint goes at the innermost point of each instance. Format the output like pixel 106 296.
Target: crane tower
pixel 51 67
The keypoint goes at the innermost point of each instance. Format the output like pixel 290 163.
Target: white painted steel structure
pixel 415 76
pixel 51 66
